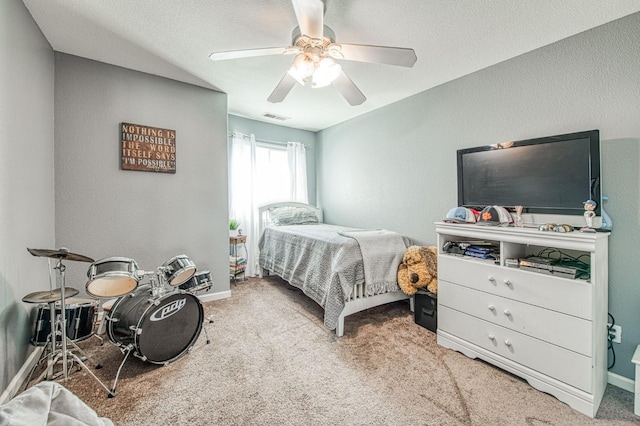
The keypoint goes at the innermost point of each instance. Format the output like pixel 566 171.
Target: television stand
pixel 549 330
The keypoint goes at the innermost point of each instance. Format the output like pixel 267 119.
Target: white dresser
pixel 549 330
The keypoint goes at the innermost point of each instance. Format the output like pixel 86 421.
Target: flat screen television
pixel 552 175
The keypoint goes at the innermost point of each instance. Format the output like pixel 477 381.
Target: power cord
pixel 610 343
pixel 583 269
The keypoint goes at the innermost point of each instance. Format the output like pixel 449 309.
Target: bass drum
pixel 160 328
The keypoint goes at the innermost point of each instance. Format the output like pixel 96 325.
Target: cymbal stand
pixel 64 351
pixel 46 354
pixel 52 319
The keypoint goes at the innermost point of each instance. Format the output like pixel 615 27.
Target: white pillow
pixel 292 216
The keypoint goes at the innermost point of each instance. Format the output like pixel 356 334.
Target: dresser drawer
pixel 567 331
pixel 564 365
pixel 573 297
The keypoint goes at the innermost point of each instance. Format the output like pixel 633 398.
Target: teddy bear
pixel 419 269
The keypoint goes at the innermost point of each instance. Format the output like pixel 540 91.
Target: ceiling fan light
pixel 326 72
pixel 302 68
pixel 293 72
pixel 304 64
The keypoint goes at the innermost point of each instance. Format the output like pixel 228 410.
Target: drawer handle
pixel 508 283
pixel 507 312
pixel 490 278
pixel 507 342
pixel 491 308
pixel 492 337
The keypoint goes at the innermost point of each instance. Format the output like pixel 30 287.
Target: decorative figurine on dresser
pixel 589 214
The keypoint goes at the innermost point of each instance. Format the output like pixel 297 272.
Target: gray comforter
pixel 320 261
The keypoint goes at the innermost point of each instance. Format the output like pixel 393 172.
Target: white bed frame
pixel 358 300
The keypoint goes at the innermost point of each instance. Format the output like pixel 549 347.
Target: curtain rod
pixel 262 140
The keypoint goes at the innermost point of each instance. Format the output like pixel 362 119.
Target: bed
pixel 326 261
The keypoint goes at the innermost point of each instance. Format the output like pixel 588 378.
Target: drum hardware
pixel 157 289
pixel 124 349
pixel 204 327
pixel 155 280
pixel 201 281
pixel 97 337
pixel 63 353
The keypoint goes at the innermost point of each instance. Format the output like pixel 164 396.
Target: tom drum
pixel 200 281
pixel 112 277
pixel 178 270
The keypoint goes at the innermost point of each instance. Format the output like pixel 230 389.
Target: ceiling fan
pixel 316 50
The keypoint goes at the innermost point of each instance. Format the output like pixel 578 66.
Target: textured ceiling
pixel 174 39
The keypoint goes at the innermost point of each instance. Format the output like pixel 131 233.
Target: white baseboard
pixel 621 382
pixel 215 296
pixel 21 375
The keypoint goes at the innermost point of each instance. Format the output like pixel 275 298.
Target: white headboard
pixel 263 213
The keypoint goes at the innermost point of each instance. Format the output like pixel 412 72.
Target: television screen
pixel 551 175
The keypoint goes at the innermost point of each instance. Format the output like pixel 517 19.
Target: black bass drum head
pixel 162 328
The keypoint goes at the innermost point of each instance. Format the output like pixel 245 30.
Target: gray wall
pixel 396 167
pixel 102 211
pixel 26 176
pixel 274 132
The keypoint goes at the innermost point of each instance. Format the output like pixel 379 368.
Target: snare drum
pixel 80 317
pixel 178 270
pixel 112 277
pixel 200 281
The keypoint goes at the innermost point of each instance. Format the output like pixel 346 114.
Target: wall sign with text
pixel 147 148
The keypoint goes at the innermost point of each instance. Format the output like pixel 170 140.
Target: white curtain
pixel 258 176
pixel 297 156
pixel 241 208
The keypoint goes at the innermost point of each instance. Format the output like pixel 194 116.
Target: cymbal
pixel 62 253
pixel 49 296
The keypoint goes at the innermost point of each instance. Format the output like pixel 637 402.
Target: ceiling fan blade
pixel 282 89
pixel 310 16
pixel 348 89
pixel 249 53
pixel 399 56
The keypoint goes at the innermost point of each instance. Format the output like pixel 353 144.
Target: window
pixel 272 180
pixel 262 173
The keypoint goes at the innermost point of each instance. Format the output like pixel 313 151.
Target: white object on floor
pixel 49 403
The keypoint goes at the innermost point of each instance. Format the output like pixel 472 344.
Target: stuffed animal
pixel 419 269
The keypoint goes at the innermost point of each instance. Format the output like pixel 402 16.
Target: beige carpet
pixel 272 362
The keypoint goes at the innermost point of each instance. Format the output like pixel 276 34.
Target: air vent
pixel 275 116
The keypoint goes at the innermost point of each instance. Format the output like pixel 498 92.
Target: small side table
pixel 237 263
pixel 636 360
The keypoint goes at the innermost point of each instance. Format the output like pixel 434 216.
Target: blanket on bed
pixel 382 252
pixel 317 260
pixel 320 261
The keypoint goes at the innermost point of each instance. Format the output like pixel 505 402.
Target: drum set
pixel 158 321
